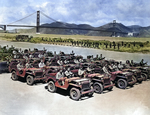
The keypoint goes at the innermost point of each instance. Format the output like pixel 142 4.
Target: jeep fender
pixel 29 74
pixel 73 85
pixel 120 76
pixel 13 70
pixel 51 79
pixel 97 80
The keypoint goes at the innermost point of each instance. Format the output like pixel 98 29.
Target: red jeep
pixel 137 73
pixel 123 79
pixel 76 86
pixel 99 79
pixel 100 82
pixel 30 74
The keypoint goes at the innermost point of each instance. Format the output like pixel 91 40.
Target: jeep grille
pixel 130 78
pixel 86 86
pixel 38 73
pixel 138 75
pixel 107 81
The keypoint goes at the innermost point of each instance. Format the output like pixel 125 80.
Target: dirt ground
pixel 17 98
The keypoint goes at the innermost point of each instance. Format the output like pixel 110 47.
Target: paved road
pixel 17 98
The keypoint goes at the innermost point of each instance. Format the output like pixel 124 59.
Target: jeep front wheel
pixel 14 76
pixel 51 87
pixel 98 87
pixel 75 94
pixel 122 83
pixel 30 80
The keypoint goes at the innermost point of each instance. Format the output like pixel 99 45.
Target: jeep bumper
pixel 89 91
pixel 107 86
pixel 132 82
pixel 140 79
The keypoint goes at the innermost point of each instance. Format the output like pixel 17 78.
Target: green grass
pixel 141 44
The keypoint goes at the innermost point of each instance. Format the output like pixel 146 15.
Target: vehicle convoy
pixel 77 87
pixel 100 82
pixel 145 72
pixel 144 68
pixel 99 79
pixel 30 74
pixel 81 77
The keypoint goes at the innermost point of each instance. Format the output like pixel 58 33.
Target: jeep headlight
pixel 89 80
pixel 79 83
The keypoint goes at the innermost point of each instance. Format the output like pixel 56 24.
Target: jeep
pixel 100 82
pixel 30 74
pixel 137 73
pixel 123 79
pixel 76 86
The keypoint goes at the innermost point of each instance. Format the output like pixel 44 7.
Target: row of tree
pixel 101 44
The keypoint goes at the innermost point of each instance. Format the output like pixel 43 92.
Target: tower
pixel 38 22
pixel 114 28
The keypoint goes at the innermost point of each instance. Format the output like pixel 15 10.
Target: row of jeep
pixel 78 86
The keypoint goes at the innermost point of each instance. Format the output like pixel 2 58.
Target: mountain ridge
pixel 86 29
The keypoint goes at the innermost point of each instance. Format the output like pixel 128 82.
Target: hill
pixel 144 32
pixel 85 29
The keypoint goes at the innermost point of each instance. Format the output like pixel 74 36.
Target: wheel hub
pixel 74 93
pixel 96 88
pixel 51 87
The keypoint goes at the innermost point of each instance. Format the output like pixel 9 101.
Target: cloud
pixel 94 12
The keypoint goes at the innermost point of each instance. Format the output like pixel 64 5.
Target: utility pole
pixel 38 22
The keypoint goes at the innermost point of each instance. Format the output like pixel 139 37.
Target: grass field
pixel 82 37
pixel 141 45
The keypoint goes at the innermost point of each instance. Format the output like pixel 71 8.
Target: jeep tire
pixel 14 76
pixel 51 87
pixel 30 80
pixel 98 87
pixel 122 83
pixel 144 76
pixel 140 81
pixel 75 94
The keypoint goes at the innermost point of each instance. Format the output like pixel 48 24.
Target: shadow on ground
pixel 66 93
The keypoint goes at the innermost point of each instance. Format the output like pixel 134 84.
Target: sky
pixel 93 12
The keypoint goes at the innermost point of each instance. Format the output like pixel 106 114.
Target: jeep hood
pixel 81 80
pixel 127 73
pixel 96 74
pixel 136 70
